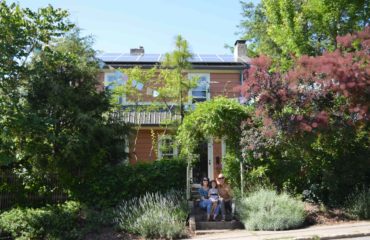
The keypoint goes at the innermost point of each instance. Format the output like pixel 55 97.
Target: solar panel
pixel 149 58
pixel 210 58
pixel 127 58
pixel 107 57
pixel 227 58
pixel 197 58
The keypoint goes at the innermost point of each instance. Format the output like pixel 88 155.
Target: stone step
pixel 203 217
pixel 211 231
pixel 205 225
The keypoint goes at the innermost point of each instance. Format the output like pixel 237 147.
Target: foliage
pixel 169 80
pixel 175 82
pixel 231 169
pixel 285 29
pixel 23 32
pixel 165 86
pixel 123 182
pixel 358 204
pixel 54 121
pixel 154 215
pixel 267 210
pixel 51 222
pixel 67 135
pixel 305 116
pixel 20 189
pixel 219 117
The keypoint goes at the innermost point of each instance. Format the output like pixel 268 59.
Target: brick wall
pixel 225 84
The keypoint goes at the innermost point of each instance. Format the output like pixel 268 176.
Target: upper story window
pixel 114 79
pixel 166 147
pixel 201 92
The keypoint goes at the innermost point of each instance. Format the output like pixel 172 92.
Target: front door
pixel 203 167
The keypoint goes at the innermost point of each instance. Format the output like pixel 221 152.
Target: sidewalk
pixel 345 230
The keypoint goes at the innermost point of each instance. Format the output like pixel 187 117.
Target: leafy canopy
pixel 306 115
pixel 219 117
pixel 23 32
pixel 285 29
pixel 67 134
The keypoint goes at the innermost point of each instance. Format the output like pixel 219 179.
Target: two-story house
pixel 218 75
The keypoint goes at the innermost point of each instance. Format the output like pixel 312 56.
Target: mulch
pixel 317 215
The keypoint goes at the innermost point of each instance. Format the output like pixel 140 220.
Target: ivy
pixel 219 117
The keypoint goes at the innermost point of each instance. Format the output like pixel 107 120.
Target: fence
pixel 12 192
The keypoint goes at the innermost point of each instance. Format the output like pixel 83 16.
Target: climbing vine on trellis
pixel 219 117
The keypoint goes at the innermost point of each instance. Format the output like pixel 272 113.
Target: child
pixel 213 197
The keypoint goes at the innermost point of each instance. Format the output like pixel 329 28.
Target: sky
pixel 118 25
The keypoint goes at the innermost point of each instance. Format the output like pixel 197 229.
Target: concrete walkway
pixel 337 231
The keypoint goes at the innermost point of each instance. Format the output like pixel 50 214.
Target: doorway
pixel 203 167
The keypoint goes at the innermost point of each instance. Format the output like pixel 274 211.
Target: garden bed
pixel 317 215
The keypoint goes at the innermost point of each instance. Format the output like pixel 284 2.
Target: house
pixel 219 75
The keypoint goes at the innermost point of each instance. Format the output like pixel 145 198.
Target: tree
pixel 168 84
pixel 176 83
pixel 68 135
pixel 169 81
pixel 306 115
pixel 23 32
pixel 286 29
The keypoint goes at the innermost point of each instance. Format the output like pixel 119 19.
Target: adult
pixel 225 193
pixel 205 202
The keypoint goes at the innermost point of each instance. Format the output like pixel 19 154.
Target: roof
pixel 147 118
pixel 149 60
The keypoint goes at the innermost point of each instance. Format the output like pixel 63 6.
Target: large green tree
pixel 54 122
pixel 67 134
pixel 22 32
pixel 284 29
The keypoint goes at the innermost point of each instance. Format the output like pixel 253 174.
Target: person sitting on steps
pixel 224 191
pixel 205 202
pixel 214 198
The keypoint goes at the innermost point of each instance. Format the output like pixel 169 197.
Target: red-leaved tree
pixel 310 130
pixel 334 85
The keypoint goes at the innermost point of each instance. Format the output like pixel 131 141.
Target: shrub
pixel 51 222
pixel 359 204
pixel 154 215
pixel 266 210
pixel 114 184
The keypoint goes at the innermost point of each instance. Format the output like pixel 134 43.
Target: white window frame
pixel 174 149
pixel 123 100
pixel 127 147
pixel 208 77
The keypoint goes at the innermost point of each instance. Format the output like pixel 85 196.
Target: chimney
pixel 137 51
pixel 240 51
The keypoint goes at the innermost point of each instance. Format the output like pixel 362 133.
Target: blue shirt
pixel 203 193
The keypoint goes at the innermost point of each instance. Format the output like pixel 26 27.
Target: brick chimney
pixel 137 51
pixel 240 51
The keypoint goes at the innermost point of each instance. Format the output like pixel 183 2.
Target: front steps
pixel 234 224
pixel 198 219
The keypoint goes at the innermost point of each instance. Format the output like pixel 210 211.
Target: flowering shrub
pixel 266 210
pixel 154 215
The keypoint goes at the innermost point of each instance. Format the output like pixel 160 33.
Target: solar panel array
pixel 197 58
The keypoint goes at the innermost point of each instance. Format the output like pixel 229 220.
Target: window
pixel 166 147
pixel 201 92
pixel 114 79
